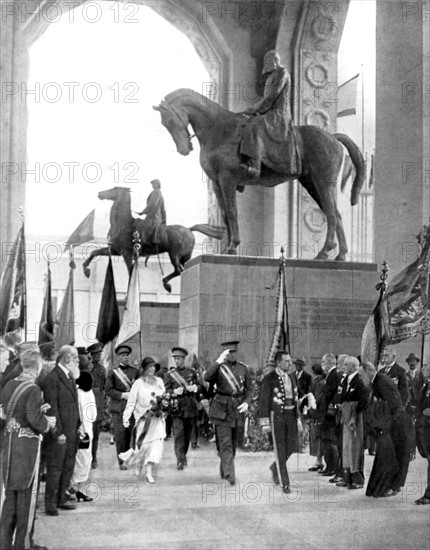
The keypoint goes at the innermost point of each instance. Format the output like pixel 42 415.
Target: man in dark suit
pixel 326 407
pixel 416 382
pixel 182 381
pixel 278 411
pixel 396 372
pixel 60 392
pixel 98 372
pixel 118 385
pixel 423 434
pixel 230 402
pixel 24 412
pixel 304 380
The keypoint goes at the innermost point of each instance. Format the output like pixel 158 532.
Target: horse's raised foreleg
pixel 228 187
pixel 99 252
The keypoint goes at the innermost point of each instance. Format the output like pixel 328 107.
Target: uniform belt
pixel 230 394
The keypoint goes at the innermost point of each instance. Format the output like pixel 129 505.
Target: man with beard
pixel 60 392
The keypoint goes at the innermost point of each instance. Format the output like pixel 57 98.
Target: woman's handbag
pixel 84 441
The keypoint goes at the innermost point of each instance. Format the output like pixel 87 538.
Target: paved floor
pixel 192 509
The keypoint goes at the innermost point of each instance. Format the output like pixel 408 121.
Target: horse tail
pixel 214 231
pixel 359 164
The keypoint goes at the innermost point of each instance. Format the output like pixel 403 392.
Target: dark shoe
pixel 123 467
pixel 67 506
pixel 327 473
pixel 316 468
pixel 82 496
pixel 355 486
pixel 335 479
pixel 180 466
pixel 286 489
pixel 342 484
pixel 37 547
pixel 423 500
pixel 52 512
pixel 94 464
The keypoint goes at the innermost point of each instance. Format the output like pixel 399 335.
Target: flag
pixel 281 336
pixel 64 326
pixel 46 327
pixel 12 288
pixel 373 339
pixel 347 97
pixel 83 233
pixel 131 319
pixel 406 301
pixel 108 323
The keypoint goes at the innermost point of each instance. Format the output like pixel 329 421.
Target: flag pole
pixel 137 245
pixel 382 287
pixel 24 270
pixel 362 108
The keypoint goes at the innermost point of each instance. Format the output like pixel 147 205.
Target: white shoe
pixel 149 478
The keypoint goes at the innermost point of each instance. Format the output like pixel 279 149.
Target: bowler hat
pixel 412 357
pixel 95 348
pixel 147 361
pixel 299 361
pixel 123 348
pixel 182 352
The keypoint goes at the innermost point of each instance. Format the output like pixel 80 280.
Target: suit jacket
pixel 61 393
pixel 304 383
pixel 187 402
pixel 356 391
pixel 21 444
pixel 273 398
pixel 115 388
pixel 98 372
pixel 328 393
pixel 398 374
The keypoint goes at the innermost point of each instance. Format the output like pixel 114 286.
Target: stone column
pixel 402 180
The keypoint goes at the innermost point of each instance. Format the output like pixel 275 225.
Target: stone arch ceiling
pixel 185 15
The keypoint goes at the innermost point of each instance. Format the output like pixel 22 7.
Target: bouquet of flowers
pixel 163 404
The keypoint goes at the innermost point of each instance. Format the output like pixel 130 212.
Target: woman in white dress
pixel 88 415
pixel 150 429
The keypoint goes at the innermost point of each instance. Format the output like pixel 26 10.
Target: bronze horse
pixel 178 241
pixel 219 132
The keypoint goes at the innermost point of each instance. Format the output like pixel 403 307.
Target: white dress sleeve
pixel 131 401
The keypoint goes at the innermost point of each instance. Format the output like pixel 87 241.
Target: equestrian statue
pixel 177 240
pixel 262 147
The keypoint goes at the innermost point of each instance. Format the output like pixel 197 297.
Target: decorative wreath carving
pixel 309 76
pixel 314 114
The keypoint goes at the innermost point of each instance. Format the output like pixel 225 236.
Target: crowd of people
pixel 52 406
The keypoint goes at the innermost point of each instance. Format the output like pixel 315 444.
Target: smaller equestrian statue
pixel 177 240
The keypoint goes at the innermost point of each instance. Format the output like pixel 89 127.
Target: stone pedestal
pixel 226 297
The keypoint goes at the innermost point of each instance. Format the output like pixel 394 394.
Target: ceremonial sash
pixel 231 379
pixel 178 378
pixel 123 377
pixel 15 397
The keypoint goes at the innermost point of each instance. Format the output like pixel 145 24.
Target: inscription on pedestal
pixel 346 317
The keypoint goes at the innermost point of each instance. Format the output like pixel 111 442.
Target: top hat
pixel 179 352
pixel 147 361
pixel 82 350
pixel 412 357
pixel 95 348
pixel 299 361
pixel 123 348
pixel 231 344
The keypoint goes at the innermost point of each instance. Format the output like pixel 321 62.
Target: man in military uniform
pixel 118 385
pixel 278 413
pixel 269 136
pixel 24 415
pixel 98 373
pixel 231 401
pixel 182 381
pixel 155 214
